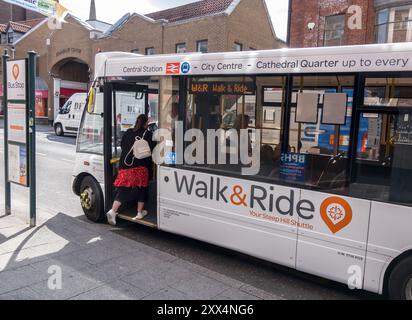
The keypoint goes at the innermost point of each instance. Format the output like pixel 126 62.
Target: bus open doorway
pixel 124 103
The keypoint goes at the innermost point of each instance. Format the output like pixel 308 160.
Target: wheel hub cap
pixel 86 199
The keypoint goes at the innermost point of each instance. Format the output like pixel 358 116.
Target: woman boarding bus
pixel 337 199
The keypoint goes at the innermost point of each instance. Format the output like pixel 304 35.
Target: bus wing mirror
pixel 91 98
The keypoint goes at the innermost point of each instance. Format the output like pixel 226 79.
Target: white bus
pixel 333 196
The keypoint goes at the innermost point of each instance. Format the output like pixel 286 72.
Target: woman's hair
pixel 140 122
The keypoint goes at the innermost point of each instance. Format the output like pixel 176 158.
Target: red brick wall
pixel 305 12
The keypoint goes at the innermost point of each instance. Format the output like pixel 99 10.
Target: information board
pixel 16 80
pixel 16 125
pixel 18 164
pixel 17 122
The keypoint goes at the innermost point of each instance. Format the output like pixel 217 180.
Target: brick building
pixel 315 23
pixel 66 56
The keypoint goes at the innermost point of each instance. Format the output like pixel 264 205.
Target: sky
pixel 111 11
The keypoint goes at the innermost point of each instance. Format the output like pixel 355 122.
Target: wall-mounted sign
pixel 238 88
pixel 18 164
pixel 16 80
pixel 69 51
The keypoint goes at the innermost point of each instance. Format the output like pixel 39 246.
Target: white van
pixel 70 115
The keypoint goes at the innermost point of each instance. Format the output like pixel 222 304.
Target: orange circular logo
pixel 336 213
pixel 15 71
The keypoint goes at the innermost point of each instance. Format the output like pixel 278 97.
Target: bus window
pixel 388 92
pixel 128 106
pixel 90 138
pixel 169 111
pixel 383 172
pixel 225 105
pixel 318 151
pixel 270 113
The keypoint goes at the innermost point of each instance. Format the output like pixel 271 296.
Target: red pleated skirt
pixel 132 178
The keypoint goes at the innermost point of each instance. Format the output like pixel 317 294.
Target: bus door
pixel 128 101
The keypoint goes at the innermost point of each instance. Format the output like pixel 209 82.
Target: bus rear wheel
pixel 91 199
pixel 400 281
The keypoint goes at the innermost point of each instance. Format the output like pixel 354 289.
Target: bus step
pixel 149 221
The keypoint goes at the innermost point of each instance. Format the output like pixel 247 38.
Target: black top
pixel 128 141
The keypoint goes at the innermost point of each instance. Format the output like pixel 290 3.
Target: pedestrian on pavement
pixel 134 174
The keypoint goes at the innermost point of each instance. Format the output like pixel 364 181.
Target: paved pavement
pixel 95 263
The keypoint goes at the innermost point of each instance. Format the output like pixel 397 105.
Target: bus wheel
pixel 91 199
pixel 58 129
pixel 400 281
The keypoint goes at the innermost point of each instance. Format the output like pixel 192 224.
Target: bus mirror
pixel 91 100
pixel 139 95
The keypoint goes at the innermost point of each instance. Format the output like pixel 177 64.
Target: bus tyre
pixel 91 199
pixel 58 129
pixel 400 281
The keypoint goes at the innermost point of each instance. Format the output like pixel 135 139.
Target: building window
pixel 334 30
pixel 181 48
pixel 3 38
pixel 203 46
pixel 10 37
pixel 394 25
pixel 150 51
pixel 237 47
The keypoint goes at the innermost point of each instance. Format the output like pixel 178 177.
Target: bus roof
pixel 345 59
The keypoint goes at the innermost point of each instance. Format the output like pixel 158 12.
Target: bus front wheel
pixel 58 129
pixel 400 281
pixel 91 199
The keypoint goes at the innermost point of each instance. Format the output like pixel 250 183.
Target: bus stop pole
pixel 7 185
pixel 32 134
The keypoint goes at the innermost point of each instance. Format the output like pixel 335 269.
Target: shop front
pixel 42 98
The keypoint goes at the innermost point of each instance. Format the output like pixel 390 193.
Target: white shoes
pixel 111 217
pixel 140 215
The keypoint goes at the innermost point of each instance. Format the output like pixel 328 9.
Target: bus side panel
pixel 90 164
pixel 226 219
pixel 390 229
pixel 334 247
pixel 389 236
pixel 376 265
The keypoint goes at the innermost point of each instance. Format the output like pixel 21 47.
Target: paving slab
pixel 200 287
pixel 116 290
pixel 73 284
pixel 20 294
